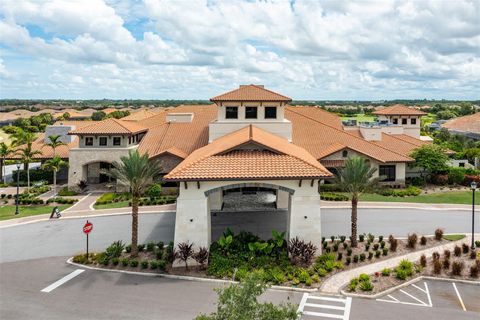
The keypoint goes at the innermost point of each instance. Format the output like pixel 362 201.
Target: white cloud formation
pixel 196 49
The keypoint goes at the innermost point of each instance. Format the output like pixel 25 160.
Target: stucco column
pixel 192 220
pixel 305 221
pixel 216 200
pixel 282 199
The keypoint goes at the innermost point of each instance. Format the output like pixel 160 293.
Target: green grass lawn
pixel 453 237
pixel 455 197
pixel 360 118
pixel 121 204
pixel 8 211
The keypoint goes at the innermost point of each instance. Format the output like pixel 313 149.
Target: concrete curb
pixel 405 284
pixel 185 278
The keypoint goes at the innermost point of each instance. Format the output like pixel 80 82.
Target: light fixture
pixel 473 185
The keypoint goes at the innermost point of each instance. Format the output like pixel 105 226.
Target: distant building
pixel 468 126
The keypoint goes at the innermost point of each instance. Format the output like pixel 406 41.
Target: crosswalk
pixel 326 307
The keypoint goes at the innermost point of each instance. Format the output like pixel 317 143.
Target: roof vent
pixel 180 117
pixel 257 85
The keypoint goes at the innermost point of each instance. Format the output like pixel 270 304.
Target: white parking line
pixel 459 297
pixel 421 303
pixel 345 306
pixel 408 294
pixel 58 283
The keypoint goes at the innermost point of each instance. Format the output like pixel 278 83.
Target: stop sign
pixel 87 227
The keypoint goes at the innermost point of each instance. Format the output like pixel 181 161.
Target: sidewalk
pixel 337 281
pixel 88 213
pixel 397 205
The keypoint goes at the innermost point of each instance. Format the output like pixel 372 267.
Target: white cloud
pixel 195 49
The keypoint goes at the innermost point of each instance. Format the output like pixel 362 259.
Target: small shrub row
pixel 408 192
pixel 61 200
pixel 328 196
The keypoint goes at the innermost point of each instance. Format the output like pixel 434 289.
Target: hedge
pixel 333 197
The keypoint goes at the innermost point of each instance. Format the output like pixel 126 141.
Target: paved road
pixel 64 237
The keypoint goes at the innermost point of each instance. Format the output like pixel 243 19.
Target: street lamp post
pixel 18 187
pixel 473 186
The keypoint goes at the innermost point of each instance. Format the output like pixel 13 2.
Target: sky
pixel 308 50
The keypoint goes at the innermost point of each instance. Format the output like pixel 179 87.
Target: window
pixel 344 153
pixel 231 112
pixel 117 141
pixel 404 121
pixel 250 112
pixel 413 121
pixel 89 141
pixel 270 112
pixel 387 173
pixel 461 164
pixel 102 141
pixel 395 121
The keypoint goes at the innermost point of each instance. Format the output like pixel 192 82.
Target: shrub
pixel 144 264
pixel 371 237
pixel 340 256
pixel 377 254
pixel 345 246
pixel 477 243
pixel 393 245
pixel 154 264
pixel 380 238
pixel 412 240
pixel 128 248
pixel 150 246
pixel 385 251
pixel 335 247
pixel 301 252
pixel 435 255
pixel 446 264
pixel 342 239
pixel 348 260
pixel 367 246
pixel 115 249
pixel 423 240
pixel 352 286
pixel 465 248
pixel 133 263
pixel 64 192
pixel 125 262
pixel 162 265
pixel 446 254
pixel 404 269
pixel 349 252
pixel 154 191
pixel 355 258
pixel 185 251
pixel 141 247
pixel 438 234
pixel 370 255
pixel 474 271
pixel 332 238
pixel 473 254
pixel 423 261
pixel 456 175
pixel 201 256
pixel 437 267
pixel 362 257
pixel 382 244
pixel 457 251
pixel 330 196
pixel 361 238
pixel 115 261
pixel 80 258
pixel 457 268
pixel 366 286
pixel 376 246
pixel 386 272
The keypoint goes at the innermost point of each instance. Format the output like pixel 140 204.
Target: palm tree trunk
pixel 54 182
pixel 2 170
pixel 134 252
pixel 28 176
pixel 354 221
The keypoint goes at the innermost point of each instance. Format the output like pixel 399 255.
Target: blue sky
pixel 154 49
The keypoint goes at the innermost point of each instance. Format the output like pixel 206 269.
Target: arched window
pixel 345 153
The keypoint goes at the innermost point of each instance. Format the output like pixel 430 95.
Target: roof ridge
pixel 345 132
pixel 263 88
pixel 399 138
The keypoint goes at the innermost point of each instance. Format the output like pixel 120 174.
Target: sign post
pixel 86 229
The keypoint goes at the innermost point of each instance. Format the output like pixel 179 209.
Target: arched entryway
pixel 94 172
pixel 254 207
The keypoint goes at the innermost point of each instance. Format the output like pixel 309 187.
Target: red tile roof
pixel 272 158
pixel 251 92
pixel 110 126
pixel 469 123
pixel 399 110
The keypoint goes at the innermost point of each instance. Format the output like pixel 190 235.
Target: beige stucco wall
pixel 408 128
pixel 80 157
pixel 193 222
pixel 218 129
pixel 168 161
pixel 283 199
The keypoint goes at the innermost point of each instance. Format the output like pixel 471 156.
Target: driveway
pixel 64 237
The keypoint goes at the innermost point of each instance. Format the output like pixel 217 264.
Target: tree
pixel 240 302
pixel 137 173
pixel 356 178
pixel 431 158
pixel 55 143
pixel 98 115
pixel 27 155
pixel 26 139
pixel 446 114
pixel 5 151
pixel 54 164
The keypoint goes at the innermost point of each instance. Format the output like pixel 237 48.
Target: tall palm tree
pixel 27 155
pixel 5 151
pixel 356 178
pixel 22 137
pixel 55 143
pixel 54 164
pixel 137 173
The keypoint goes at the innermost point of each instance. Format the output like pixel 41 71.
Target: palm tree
pixel 137 173
pixel 356 178
pixel 27 155
pixel 22 137
pixel 55 143
pixel 54 164
pixel 5 151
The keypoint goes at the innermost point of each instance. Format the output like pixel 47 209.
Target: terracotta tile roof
pixel 470 123
pixel 140 115
pixel 77 123
pixel 110 126
pixel 222 159
pixel 317 136
pixel 251 92
pixel 333 163
pixel 399 110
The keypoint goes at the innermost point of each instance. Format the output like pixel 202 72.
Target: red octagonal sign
pixel 87 227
